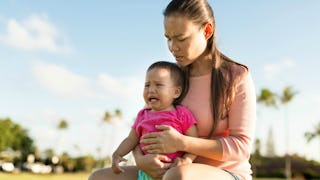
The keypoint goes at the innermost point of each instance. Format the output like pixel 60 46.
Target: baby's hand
pixel 179 161
pixel 116 159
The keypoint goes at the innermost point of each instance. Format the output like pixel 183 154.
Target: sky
pixel 75 60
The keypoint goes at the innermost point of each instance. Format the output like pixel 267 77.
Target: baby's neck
pixel 169 108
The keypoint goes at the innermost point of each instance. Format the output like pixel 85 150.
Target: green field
pixel 29 176
pixel 66 176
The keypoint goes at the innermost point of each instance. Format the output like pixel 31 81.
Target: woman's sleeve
pixel 241 122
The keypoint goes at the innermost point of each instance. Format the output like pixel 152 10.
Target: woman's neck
pixel 201 67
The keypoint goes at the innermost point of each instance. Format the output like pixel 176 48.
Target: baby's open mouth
pixel 153 99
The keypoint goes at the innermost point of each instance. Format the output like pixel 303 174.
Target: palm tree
pixel 313 134
pixel 270 144
pixel 62 125
pixel 110 119
pixel 286 97
pixel 267 98
pixel 118 113
pixel 107 117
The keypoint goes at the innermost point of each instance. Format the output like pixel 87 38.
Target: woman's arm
pixel 170 141
pixel 187 158
pixel 242 118
pixel 193 132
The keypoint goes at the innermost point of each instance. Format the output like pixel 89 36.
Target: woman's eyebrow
pixel 175 36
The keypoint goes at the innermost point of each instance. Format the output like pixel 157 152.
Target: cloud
pixel 125 87
pixel 35 33
pixel 274 70
pixel 64 82
pixel 61 81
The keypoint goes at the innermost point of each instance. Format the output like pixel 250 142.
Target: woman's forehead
pixel 178 25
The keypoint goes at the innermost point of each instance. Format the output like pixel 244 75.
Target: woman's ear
pixel 208 30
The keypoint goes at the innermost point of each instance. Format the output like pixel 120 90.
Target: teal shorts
pixel 143 176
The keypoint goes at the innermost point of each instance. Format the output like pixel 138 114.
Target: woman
pixel 221 96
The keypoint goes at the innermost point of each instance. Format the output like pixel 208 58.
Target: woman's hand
pixel 179 161
pixel 168 140
pixel 152 164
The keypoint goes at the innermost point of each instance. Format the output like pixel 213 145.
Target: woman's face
pixel 186 40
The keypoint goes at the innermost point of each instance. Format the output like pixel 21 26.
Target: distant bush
pixel 274 167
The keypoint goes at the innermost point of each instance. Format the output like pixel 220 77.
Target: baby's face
pixel 160 90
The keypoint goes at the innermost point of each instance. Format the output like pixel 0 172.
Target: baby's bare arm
pixel 127 145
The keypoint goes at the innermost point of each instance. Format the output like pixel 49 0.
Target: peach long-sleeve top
pixel 236 132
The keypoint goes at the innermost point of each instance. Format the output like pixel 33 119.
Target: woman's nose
pixel 173 47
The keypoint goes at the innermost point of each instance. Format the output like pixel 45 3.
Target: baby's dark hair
pixel 176 73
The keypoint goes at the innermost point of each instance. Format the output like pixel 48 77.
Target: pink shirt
pixel 235 133
pixel 181 119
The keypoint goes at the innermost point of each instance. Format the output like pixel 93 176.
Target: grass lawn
pixel 268 179
pixel 30 176
pixel 66 176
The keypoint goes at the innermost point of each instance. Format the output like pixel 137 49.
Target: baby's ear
pixel 178 92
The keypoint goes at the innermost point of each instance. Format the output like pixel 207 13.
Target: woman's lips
pixel 179 58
